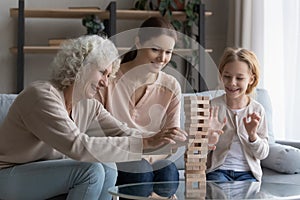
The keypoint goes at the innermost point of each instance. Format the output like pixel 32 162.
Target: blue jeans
pixel 143 171
pixel 46 179
pixel 230 175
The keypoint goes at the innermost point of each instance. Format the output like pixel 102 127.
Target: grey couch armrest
pixel 290 143
pixel 283 157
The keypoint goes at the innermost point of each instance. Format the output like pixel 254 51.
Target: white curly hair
pixel 80 52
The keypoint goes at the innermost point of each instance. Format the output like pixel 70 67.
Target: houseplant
pixel 93 25
pixel 166 8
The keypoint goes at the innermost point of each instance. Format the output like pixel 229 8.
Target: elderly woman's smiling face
pixel 97 78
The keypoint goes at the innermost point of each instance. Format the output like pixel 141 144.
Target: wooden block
pixel 196 101
pixel 189 106
pixel 194 107
pixel 202 161
pixel 197 127
pixel 194 129
pixel 195 185
pixel 195 194
pixel 197 156
pixel 199 176
pixel 203 151
pixel 195 172
pixel 193 114
pixel 198 140
pixel 189 148
pixel 192 133
pixel 190 156
pixel 195 166
pixel 195 142
pixel 191 145
pixel 194 97
pixel 194 188
pixel 196 148
pixel 200 136
pixel 200 127
pixel 194 182
pixel 204 120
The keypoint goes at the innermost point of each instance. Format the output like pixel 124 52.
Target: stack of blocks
pixel 196 109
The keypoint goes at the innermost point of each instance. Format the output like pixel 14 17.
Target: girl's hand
pixel 214 120
pixel 251 123
pixel 215 127
pixel 168 136
pixel 213 138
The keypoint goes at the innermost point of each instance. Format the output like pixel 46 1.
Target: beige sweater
pixel 37 127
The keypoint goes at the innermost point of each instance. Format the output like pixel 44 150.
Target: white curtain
pixel 246 27
pixel 271 28
pixel 282 64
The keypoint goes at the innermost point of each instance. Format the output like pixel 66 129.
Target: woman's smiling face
pixel 157 52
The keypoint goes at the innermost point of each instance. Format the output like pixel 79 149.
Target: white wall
pixel 38 31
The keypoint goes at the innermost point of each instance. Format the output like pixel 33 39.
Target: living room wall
pixel 38 31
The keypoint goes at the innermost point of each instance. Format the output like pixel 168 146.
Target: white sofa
pixel 281 166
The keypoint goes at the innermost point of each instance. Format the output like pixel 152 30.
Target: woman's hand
pixel 251 123
pixel 168 136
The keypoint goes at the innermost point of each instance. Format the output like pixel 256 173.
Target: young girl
pixel 244 142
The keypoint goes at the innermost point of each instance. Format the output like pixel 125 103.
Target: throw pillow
pixel 283 159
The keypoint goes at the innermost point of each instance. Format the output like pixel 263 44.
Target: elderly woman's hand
pixel 168 136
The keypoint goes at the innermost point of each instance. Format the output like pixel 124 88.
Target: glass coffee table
pixel 209 190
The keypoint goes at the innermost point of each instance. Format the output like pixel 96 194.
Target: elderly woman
pixel 44 150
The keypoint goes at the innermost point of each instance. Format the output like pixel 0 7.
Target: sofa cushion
pixel 283 158
pixel 5 101
pixel 262 96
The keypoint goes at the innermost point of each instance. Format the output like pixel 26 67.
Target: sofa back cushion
pixel 5 102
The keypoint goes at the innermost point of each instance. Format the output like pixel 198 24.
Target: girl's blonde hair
pixel 246 56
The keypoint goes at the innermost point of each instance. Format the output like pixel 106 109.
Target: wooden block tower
pixel 196 110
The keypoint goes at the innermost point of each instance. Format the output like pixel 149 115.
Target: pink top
pixel 158 108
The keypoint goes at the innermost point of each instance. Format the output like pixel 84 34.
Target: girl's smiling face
pixel 236 77
pixel 157 52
